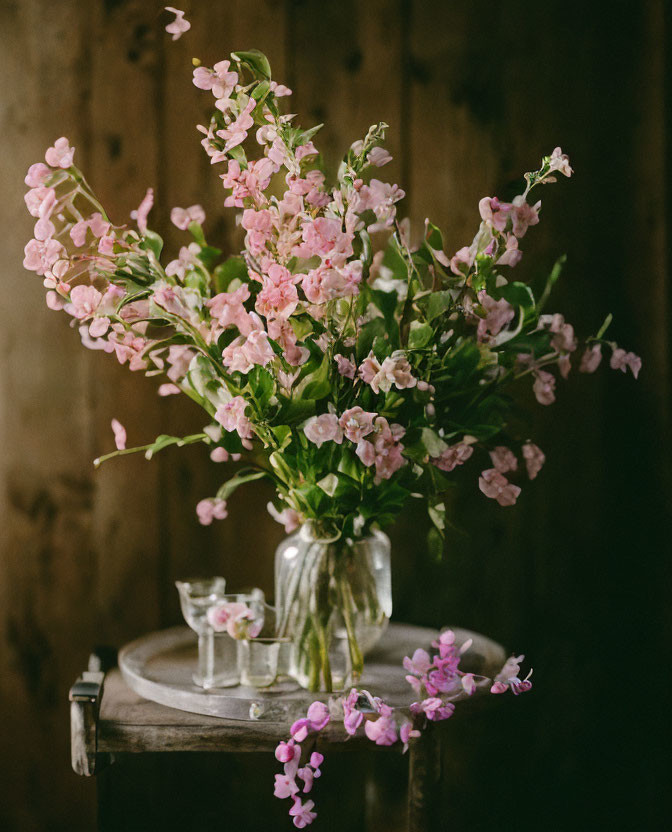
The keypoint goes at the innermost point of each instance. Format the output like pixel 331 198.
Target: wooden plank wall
pixel 474 92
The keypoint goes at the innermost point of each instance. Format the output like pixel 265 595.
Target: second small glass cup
pixel 258 659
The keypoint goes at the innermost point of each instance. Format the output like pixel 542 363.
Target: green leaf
pixel 255 60
pixel 281 467
pixel 164 441
pixel 437 304
pixel 437 514
pixel 226 490
pixel 316 385
pixel 152 242
pixel 434 237
pixel 261 384
pixel 349 464
pixel 305 136
pixel 261 91
pixel 234 268
pixel 435 544
pixel 605 326
pixel 196 231
pixel 283 435
pixel 552 278
pixel 329 484
pixel 420 335
pixel 209 255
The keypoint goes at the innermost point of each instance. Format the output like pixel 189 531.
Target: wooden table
pixel 109 720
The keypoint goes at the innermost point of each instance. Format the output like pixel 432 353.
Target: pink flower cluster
pixel 382 449
pixel 235 618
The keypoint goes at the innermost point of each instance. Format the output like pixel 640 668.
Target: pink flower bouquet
pixel 350 366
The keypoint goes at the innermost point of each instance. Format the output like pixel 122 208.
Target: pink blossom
pixel 591 358
pixel 307 775
pixel 233 616
pixel 178 26
pixel 236 133
pixel 285 752
pixel 54 301
pixel 304 150
pixel 498 314
pixel 302 813
pixel 512 254
pixel 378 157
pixel 142 211
pixel 469 684
pixel 318 714
pixel 228 309
pixel 379 197
pixel 325 237
pixel 563 333
pixel 211 509
pixel 453 456
pixel 357 423
pixel 36 175
pixel 288 517
pixel 218 79
pixel 277 301
pixel 170 390
pixel 84 300
pixel 179 358
pixel 534 459
pixel 231 416
pixel 257 348
pixel 352 717
pixel 560 162
pixel 99 327
pixel 366 452
pixel 544 387
pixel 182 217
pixel 508 677
pixel 40 201
pixel 285 786
pixel 41 255
pixel 497 487
pixel 119 434
pixel 382 731
pixel 406 733
pixel 419 663
pixel 462 261
pixel 395 369
pixel 323 428
pixel 316 760
pixel 503 459
pixel 518 213
pixel 621 360
pixel 60 155
pixel 523 215
pixel 280 90
pixel 344 366
pixel 494 213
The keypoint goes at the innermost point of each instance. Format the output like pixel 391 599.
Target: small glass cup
pixel 258 661
pixel 196 598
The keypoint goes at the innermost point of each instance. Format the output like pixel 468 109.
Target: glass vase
pixel 333 599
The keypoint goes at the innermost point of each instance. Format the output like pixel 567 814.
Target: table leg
pixel 424 781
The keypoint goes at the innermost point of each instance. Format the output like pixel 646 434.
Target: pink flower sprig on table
pixel 437 679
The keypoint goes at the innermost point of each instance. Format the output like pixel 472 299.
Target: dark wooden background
pixel 575 575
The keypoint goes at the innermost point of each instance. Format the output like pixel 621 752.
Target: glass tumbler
pixel 258 661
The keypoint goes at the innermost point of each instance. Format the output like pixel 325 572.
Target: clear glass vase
pixel 333 599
